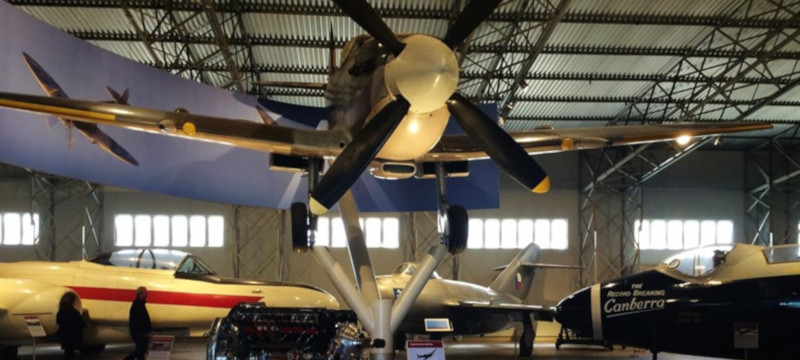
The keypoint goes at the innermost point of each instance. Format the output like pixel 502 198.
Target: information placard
pixel 425 350
pixel 160 347
pixel 35 327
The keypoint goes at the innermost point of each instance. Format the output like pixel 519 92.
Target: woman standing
pixel 70 325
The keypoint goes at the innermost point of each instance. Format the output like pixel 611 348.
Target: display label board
pixel 160 347
pixel 425 350
pixel 35 327
pixel 745 335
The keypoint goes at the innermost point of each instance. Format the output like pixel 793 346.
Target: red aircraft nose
pixel 575 312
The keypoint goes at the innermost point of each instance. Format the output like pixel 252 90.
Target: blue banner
pixel 169 165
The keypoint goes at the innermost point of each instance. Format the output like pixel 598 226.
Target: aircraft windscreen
pixel 159 259
pixel 699 262
pixel 195 266
pixel 783 253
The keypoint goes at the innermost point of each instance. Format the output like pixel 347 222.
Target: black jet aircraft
pixel 739 301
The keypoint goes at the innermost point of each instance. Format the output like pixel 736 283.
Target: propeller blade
pixel 332 54
pixel 473 15
pixel 355 158
pixel 498 145
pixel 366 17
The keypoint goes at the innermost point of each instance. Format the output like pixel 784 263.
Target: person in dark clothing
pixel 70 325
pixel 139 325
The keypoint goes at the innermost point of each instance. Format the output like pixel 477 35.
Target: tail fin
pixel 517 277
pixel 119 99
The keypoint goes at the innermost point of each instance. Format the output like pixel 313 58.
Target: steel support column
pixel 772 204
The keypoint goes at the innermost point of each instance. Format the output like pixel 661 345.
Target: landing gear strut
pixel 300 236
pixel 528 335
pixel 380 317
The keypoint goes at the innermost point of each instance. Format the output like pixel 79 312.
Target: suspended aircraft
pixel 474 309
pixel 740 301
pixel 91 131
pixel 185 295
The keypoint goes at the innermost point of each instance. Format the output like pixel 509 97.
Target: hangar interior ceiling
pixel 560 63
pixel 565 63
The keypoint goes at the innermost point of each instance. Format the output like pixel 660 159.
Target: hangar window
pixel 378 232
pixel 19 228
pixel 517 233
pixel 169 231
pixel 659 234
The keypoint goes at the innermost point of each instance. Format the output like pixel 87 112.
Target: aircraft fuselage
pixel 106 293
pixel 662 311
pixel 438 299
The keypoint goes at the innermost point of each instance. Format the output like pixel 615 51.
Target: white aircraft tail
pixel 517 276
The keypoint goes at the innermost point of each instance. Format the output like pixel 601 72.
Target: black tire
pixel 399 341
pixel 299 213
pixel 92 349
pixel 527 338
pixel 9 352
pixel 458 221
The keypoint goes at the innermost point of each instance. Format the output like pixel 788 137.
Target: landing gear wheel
pixel 399 341
pixel 9 352
pixel 458 221
pixel 528 335
pixel 93 349
pixel 299 214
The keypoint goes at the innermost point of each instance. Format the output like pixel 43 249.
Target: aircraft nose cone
pixel 575 312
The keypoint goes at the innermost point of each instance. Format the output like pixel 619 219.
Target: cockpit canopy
pixel 158 259
pixel 699 262
pixel 409 269
pixel 782 253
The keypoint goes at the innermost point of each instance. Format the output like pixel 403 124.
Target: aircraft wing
pixel 302 142
pixel 460 147
pixel 539 312
pixel 238 133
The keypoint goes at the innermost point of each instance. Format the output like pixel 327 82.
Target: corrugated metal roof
pixel 590 39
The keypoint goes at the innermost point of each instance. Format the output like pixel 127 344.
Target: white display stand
pixel 160 347
pixel 36 329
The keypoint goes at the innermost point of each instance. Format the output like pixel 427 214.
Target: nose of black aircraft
pixel 575 312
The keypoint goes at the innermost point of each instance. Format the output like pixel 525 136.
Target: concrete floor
pixel 194 349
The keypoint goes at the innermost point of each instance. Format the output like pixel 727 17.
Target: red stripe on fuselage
pixel 164 297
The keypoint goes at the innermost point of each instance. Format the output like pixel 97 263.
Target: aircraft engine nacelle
pixel 21 298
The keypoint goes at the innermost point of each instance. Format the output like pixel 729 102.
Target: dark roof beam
pixel 495 47
pixel 222 42
pixel 588 17
pixel 547 30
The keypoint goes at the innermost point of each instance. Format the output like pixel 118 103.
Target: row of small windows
pixel 682 234
pixel 19 228
pixel 169 231
pixel 517 233
pixel 209 231
pixel 378 232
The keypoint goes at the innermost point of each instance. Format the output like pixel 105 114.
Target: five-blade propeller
pixel 360 152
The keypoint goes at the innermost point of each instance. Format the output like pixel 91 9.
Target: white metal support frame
pixel 379 316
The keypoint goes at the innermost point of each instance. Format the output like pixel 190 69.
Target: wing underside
pixel 302 142
pixel 539 312
pixel 460 147
pixel 233 132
